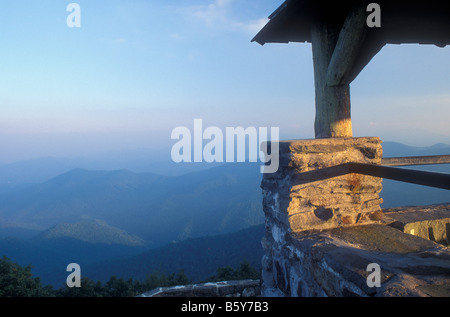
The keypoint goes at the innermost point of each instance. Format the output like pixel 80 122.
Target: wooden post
pixel 347 46
pixel 333 119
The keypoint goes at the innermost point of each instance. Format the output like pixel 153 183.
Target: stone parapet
pixel 313 188
pixel 428 222
pixel 334 263
pixel 239 288
pixel 325 228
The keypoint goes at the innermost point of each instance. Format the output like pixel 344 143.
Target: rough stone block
pixel 430 222
pixel 334 263
pixel 313 188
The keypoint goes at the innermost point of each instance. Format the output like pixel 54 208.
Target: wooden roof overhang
pixel 402 22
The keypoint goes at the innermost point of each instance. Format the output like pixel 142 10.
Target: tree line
pixel 18 281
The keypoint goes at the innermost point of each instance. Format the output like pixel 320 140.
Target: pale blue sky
pixel 137 69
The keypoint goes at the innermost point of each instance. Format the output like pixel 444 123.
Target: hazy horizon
pixel 156 154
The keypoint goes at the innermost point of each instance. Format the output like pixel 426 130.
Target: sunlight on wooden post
pixel 333 118
pixel 334 53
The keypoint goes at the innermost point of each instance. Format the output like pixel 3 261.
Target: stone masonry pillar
pixel 311 190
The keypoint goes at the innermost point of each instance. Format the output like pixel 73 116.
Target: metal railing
pixel 385 170
pixel 416 160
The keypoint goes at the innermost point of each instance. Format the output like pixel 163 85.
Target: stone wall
pixel 313 189
pixel 324 227
pixel 243 288
pixel 335 262
pixel 428 222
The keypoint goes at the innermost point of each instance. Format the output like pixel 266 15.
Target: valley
pixel 131 222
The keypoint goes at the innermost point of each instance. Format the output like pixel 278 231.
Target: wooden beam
pixel 333 118
pixel 416 160
pixel 431 179
pixel 372 45
pixel 348 46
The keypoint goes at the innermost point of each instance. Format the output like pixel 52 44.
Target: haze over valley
pixel 131 221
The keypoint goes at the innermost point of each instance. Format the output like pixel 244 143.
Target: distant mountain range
pixel 199 257
pixel 49 257
pixel 395 149
pixel 23 173
pixel 39 170
pixel 397 193
pixel 158 209
pixel 128 223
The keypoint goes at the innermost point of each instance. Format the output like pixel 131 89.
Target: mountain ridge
pixel 156 208
pixel 91 231
pixel 54 220
pixel 39 170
